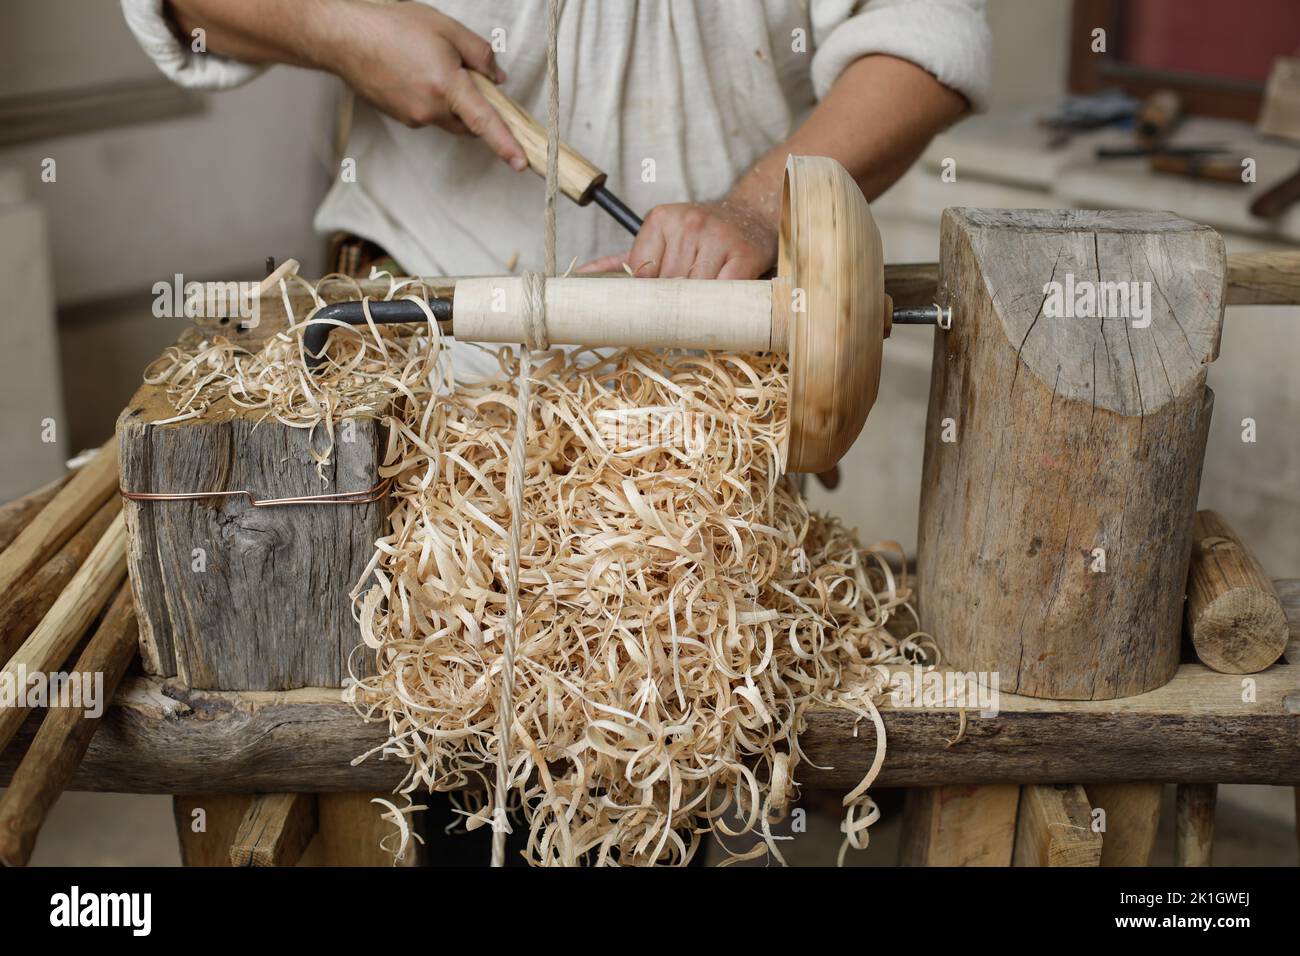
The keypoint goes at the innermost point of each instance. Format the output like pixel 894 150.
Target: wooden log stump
pixel 237 597
pixel 1063 451
pixel 1234 616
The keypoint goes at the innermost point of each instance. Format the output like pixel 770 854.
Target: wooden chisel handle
pixel 578 176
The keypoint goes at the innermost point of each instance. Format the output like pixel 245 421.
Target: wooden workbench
pixel 161 737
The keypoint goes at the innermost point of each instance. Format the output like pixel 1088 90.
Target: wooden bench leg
pixel 349 832
pixel 959 825
pixel 1132 817
pixel 1194 827
pixel 206 825
pixel 1054 827
pixel 348 829
pixel 275 831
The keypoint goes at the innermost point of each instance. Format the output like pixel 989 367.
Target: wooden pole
pixel 163 737
pixel 1253 278
pixel 30 600
pixel 1194 826
pixel 1263 278
pixel 64 735
pixel 18 513
pixel 1234 615
pixel 62 627
pixel 57 521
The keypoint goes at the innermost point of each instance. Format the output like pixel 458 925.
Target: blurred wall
pixel 208 194
pixel 1256 485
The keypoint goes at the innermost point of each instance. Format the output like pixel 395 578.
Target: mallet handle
pixel 578 176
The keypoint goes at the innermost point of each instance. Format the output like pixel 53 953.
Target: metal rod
pixel 382 312
pixel 404 311
pixel 624 216
pixel 924 315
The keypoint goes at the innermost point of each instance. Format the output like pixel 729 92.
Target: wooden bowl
pixel 830 283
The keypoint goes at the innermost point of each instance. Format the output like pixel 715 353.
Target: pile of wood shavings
pixel 683 609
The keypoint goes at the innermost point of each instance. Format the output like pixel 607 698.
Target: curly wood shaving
pixel 683 609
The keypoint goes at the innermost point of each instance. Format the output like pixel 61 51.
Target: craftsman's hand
pixel 412 62
pixel 701 240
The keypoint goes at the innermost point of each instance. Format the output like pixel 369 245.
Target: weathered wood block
pixel 1064 447
pixel 237 597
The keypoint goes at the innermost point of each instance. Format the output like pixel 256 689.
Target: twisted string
pixel 535 314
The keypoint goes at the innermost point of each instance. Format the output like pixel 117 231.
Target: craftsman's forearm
pixel 306 33
pixel 876 120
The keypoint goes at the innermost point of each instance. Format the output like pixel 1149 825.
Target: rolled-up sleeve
pixel 180 64
pixel 947 38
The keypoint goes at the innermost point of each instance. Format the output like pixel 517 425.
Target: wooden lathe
pixel 1063 459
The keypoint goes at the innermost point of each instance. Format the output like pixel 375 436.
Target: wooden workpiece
pixel 1063 454
pixel 827 309
pixel 1234 616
